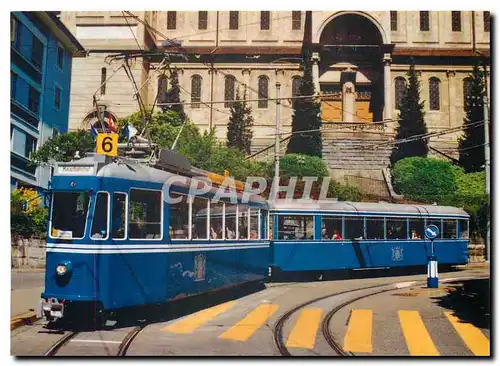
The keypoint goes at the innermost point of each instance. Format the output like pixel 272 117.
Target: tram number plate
pixel 107 144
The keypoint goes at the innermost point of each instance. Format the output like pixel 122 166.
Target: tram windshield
pixel 69 214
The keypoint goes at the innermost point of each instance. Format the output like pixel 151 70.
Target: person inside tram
pixel 390 234
pixel 230 234
pixel 213 233
pixel 336 235
pixel 324 234
pixel 415 235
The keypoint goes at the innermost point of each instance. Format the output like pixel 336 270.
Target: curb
pixel 24 319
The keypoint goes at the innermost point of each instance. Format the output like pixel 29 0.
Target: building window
pixel 233 20
pixel 57 99
pixel 456 21
pixel 296 20
pixel 424 21
pixel 171 19
pixel 162 88
pixel 13 83
pixel 37 52
pixel 394 20
pixel 60 57
pixel 265 20
pixel 399 89
pixel 486 21
pixel 33 100
pixel 263 91
pixel 296 82
pixel 30 145
pixel 103 81
pixel 229 91
pixel 202 19
pixel 434 97
pixel 467 89
pixel 195 91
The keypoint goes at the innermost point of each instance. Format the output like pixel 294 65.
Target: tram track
pixel 325 324
pixel 122 348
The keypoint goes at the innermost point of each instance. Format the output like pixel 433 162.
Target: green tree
pixel 306 117
pixel 173 95
pixel 411 121
pixel 64 146
pixel 29 222
pixel 471 144
pixel 239 128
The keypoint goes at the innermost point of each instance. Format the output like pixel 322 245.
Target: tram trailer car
pixel 113 241
pixel 330 235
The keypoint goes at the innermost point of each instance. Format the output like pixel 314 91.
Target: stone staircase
pixel 348 154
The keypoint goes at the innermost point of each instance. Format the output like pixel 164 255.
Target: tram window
pixel 264 217
pixel 464 229
pixel 254 223
pixel 449 229
pixel 354 227
pixel 270 223
pixel 295 227
pixel 200 218
pixel 99 228
pixel 216 220
pixel 243 222
pixel 69 215
pixel 331 228
pixel 375 228
pixel 416 229
pixel 397 228
pixel 119 215
pixel 179 216
pixel 230 221
pixel 144 216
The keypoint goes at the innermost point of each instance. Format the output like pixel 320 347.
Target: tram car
pixel 330 235
pixel 115 241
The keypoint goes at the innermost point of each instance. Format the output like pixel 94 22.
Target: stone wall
pixel 27 253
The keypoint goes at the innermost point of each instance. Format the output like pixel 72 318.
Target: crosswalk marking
pixel 417 338
pixel 303 334
pixel 247 326
pixel 193 321
pixel 477 342
pixel 358 337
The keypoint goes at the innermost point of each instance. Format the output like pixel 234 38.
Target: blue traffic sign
pixel 431 232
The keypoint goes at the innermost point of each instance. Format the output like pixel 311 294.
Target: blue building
pixel 41 49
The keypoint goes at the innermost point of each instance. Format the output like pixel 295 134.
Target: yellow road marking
pixel 303 334
pixel 477 342
pixel 193 321
pixel 247 326
pixel 358 337
pixel 417 338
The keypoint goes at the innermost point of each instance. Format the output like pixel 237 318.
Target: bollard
pixel 432 272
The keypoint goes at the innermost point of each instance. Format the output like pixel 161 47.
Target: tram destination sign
pixel 75 170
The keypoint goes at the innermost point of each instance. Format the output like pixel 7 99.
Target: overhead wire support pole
pixel 487 170
pixel 277 144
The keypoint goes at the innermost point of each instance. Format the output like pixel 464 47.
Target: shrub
pixel 298 165
pixel 344 192
pixel 424 179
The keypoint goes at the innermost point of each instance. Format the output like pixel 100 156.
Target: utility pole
pixel 487 168
pixel 277 144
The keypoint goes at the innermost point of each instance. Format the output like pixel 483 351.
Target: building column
pixel 315 71
pixel 387 87
pixel 451 97
pixel 246 80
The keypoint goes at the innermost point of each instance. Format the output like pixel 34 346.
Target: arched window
pixel 162 88
pixel 467 92
pixel 229 91
pixel 399 90
pixel 103 81
pixel 296 81
pixel 434 96
pixel 196 91
pixel 263 91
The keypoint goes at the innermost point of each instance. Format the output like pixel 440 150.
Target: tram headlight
pixel 63 268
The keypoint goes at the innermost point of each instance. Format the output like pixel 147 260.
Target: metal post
pixel 277 143
pixel 487 167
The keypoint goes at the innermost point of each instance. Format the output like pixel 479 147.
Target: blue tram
pixel 114 240
pixel 330 235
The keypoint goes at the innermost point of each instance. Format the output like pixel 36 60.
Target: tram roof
pixel 366 208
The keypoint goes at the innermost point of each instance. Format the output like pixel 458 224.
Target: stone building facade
pixel 360 63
